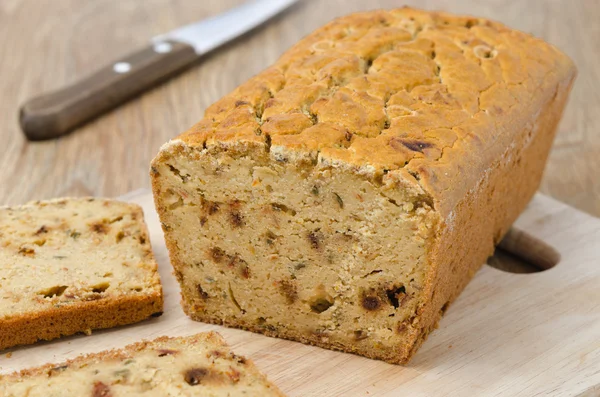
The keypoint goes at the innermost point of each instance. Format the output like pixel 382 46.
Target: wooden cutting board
pixel 507 334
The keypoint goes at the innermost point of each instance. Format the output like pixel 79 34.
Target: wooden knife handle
pixel 529 249
pixel 54 114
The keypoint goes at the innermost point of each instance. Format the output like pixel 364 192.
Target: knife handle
pixel 529 249
pixel 54 114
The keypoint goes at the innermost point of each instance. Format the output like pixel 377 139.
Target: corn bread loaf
pixel 199 365
pixel 73 265
pixel 346 195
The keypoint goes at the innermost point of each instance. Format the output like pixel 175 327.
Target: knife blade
pixel 57 113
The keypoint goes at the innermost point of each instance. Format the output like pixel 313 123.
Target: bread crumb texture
pixel 73 265
pixel 199 365
pixel 347 194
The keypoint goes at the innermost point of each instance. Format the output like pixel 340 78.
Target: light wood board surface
pixel 47 43
pixel 507 334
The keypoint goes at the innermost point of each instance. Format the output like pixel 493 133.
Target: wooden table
pixel 47 43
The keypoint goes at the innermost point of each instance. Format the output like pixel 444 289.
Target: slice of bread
pixel 74 265
pixel 198 365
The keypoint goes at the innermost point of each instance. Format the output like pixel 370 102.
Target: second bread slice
pixel 74 265
pixel 198 365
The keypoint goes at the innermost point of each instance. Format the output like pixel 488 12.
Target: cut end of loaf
pixel 294 249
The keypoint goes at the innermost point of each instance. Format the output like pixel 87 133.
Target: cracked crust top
pixel 434 97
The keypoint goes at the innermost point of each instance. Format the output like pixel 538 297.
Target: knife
pixel 54 114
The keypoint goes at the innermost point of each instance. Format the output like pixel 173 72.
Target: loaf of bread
pixel 346 195
pixel 198 365
pixel 73 265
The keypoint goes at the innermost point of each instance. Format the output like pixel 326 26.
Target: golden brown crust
pixel 436 94
pixel 477 224
pixel 81 317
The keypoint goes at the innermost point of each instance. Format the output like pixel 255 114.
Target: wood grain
pixel 49 43
pixel 506 335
